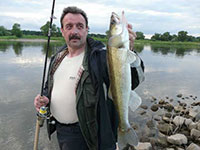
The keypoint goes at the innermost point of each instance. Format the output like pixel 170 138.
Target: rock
pixel 178 120
pixel 188 122
pixel 178 109
pixel 192 126
pixel 169 115
pixel 154 107
pixel 198 126
pixel 171 100
pixel 144 139
pixel 169 107
pixel 166 119
pixel 183 104
pixel 169 148
pixel 195 104
pixel 165 128
pixel 157 118
pixel 177 139
pixel 179 95
pixel 162 102
pixel 178 148
pixel 154 99
pixel 150 124
pixel 144 106
pixel 195 133
pixel 143 112
pixel 197 117
pixel 193 113
pixel 193 146
pixel 162 141
pixel 144 146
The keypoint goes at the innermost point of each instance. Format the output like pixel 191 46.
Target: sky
pixel 147 16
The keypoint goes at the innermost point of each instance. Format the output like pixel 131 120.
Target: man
pixel 76 89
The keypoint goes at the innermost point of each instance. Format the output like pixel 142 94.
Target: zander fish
pixel 119 58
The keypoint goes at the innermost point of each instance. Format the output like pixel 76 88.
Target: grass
pixel 104 40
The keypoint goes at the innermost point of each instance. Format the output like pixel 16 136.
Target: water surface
pixel 168 71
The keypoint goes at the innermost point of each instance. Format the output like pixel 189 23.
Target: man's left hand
pixel 132 36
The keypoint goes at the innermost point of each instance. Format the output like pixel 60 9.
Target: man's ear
pixel 62 31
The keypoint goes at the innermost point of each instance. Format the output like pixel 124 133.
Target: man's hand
pixel 40 101
pixel 132 36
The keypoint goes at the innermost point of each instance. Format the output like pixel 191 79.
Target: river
pixel 168 71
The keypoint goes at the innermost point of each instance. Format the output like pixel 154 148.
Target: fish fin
pixel 127 137
pixel 134 101
pixel 110 93
pixel 115 41
pixel 131 57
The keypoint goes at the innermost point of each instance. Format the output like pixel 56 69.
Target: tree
pixel 45 29
pixel 16 30
pixel 182 36
pixel 166 37
pixel 156 36
pixel 140 36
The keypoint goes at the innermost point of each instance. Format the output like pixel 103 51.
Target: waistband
pixel 68 125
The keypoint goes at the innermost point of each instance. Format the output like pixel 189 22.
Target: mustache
pixel 74 36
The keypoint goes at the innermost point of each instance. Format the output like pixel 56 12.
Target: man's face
pixel 74 30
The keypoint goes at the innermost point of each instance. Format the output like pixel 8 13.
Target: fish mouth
pixel 115 18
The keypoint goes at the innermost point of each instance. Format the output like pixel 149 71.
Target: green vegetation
pixel 182 38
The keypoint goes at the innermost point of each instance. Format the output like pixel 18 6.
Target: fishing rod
pixel 42 114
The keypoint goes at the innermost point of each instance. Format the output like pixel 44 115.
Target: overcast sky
pixel 147 16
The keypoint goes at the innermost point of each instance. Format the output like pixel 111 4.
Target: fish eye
pixel 113 22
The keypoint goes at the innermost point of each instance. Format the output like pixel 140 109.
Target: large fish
pixel 119 58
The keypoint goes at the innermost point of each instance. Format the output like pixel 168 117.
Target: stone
pixel 166 119
pixel 170 149
pixel 150 124
pixel 192 126
pixel 169 107
pixel 179 95
pixel 144 106
pixel 143 112
pixel 178 109
pixel 144 146
pixel 178 120
pixel 177 139
pixel 162 141
pixel 198 126
pixel 195 133
pixel 162 102
pixel 197 117
pixel 165 128
pixel 188 122
pixel 193 146
pixel 193 113
pixel 154 107
pixel 169 115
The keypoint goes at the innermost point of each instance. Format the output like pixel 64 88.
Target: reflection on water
pixel 170 70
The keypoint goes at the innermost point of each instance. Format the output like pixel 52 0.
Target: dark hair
pixel 73 10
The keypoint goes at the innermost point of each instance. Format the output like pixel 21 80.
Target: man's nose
pixel 74 30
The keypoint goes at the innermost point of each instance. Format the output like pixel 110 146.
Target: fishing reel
pixel 42 115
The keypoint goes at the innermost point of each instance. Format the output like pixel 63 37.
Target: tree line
pixel 56 32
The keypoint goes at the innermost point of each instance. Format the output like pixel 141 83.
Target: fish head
pixel 118 33
pixel 115 24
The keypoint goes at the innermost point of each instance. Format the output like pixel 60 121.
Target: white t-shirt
pixel 63 98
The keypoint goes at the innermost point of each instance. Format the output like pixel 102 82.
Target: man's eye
pixel 68 27
pixel 80 26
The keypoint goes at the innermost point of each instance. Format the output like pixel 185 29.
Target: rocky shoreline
pixel 176 128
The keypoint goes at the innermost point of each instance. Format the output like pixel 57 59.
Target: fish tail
pixel 127 137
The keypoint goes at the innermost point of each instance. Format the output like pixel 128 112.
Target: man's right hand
pixel 40 101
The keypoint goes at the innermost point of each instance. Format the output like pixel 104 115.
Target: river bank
pixel 174 124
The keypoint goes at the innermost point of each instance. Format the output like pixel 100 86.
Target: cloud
pixel 147 16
